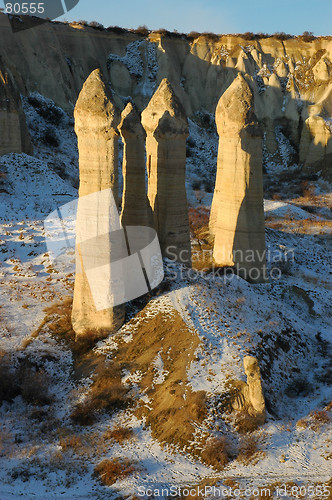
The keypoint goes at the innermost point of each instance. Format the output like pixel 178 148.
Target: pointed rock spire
pixel 237 214
pixel 166 126
pixel 96 118
pixel 136 210
pixel 96 121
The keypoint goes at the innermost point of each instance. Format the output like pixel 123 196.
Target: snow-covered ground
pixel 285 323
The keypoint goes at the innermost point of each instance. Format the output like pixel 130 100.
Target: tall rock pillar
pixel 166 126
pixel 237 213
pixel 96 119
pixel 136 210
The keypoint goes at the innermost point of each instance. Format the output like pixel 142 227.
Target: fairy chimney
pixel 136 210
pixel 237 213
pixel 166 126
pixel 96 119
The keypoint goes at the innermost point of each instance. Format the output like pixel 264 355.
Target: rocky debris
pixel 96 119
pixel 136 210
pixel 166 126
pixel 237 214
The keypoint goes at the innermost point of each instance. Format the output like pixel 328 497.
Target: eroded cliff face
pixel 14 135
pixel 291 80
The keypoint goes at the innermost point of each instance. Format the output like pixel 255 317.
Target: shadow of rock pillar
pixel 136 210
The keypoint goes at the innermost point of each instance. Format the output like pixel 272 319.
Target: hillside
pixel 158 404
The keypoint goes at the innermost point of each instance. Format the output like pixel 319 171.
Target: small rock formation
pixel 95 121
pixel 136 210
pixel 253 392
pixel 237 214
pixel 250 396
pixel 166 126
pixel 14 135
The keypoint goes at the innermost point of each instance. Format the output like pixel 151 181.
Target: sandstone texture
pixel 237 213
pixel 166 126
pixel 249 397
pixel 254 393
pixel 136 210
pixel 96 118
pixel 316 139
pixel 96 121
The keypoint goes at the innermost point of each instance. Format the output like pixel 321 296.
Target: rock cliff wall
pixel 291 79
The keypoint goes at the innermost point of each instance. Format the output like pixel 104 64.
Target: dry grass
pixel 34 386
pixel 319 418
pixel 316 419
pixel 174 407
pixel 216 452
pixel 248 450
pixel 107 393
pixel 72 442
pixel 109 471
pixel 302 423
pixel 303 226
pixel 57 322
pixel 119 434
pixel 245 423
pixel 25 380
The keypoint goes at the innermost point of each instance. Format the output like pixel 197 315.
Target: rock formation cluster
pixel 293 76
pixel 99 239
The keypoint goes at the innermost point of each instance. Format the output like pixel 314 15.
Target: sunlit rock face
pixel 237 214
pixel 254 393
pixel 96 119
pixel 136 210
pixel 166 126
pixel 316 139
